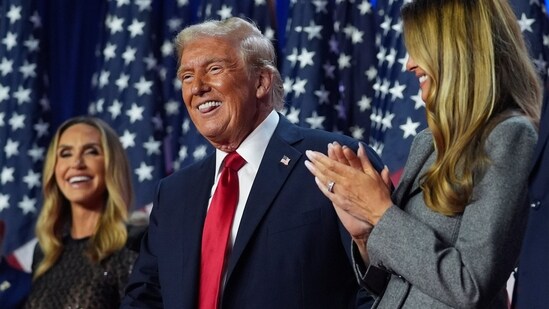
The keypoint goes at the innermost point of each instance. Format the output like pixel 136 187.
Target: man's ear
pixel 264 84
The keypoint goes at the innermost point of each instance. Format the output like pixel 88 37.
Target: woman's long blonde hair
pixel 55 216
pixel 481 73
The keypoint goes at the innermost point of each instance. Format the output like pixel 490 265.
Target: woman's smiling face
pixel 80 166
pixel 424 79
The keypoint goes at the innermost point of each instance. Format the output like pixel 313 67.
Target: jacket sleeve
pixel 143 288
pixel 373 279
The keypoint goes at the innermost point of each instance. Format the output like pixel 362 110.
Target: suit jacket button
pixel 535 205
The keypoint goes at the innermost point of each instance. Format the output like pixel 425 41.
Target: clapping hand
pixel 359 193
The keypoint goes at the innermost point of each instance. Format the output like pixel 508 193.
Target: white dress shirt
pixel 252 150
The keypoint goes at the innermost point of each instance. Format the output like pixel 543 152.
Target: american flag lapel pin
pixel 285 160
pixel 5 286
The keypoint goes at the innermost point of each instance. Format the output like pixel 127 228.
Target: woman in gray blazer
pixel 449 235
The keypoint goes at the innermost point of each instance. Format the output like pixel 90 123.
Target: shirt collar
pixel 254 145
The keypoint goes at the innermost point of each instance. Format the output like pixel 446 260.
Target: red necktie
pixel 216 232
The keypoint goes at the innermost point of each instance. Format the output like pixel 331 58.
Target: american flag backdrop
pixel 342 62
pixel 183 143
pixel 355 26
pixel 260 11
pixel 398 112
pixel 127 87
pixel 309 65
pixel 534 24
pixel 24 125
pixel 329 66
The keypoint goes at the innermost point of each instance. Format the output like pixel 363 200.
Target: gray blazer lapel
pixel 421 149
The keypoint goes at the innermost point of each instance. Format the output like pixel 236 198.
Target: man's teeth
pixel 76 179
pixel 423 78
pixel 208 105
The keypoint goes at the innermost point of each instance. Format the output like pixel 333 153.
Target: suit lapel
pixel 192 221
pixel 198 201
pixel 183 219
pixel 268 182
pixel 421 152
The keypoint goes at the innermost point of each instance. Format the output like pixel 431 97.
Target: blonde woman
pixel 82 261
pixel 450 234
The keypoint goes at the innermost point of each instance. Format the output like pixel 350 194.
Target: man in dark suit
pixel 287 248
pixel 532 285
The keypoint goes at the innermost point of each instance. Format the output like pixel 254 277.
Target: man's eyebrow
pixel 205 63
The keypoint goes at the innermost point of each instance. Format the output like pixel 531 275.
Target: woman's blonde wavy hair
pixel 481 73
pixel 55 216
